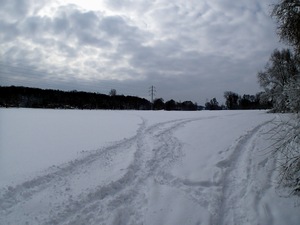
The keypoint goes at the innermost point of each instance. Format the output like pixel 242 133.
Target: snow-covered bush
pixel 292 91
pixel 286 134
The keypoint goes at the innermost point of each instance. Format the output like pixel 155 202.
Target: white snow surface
pixel 140 167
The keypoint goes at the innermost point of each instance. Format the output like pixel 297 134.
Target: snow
pixel 33 140
pixel 140 167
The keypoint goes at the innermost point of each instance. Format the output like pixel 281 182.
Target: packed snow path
pixel 162 175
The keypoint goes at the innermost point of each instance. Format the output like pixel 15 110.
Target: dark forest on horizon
pixel 26 97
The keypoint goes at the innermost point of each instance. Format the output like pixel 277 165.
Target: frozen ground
pixel 139 167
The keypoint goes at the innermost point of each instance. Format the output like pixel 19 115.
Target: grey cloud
pixel 67 50
pixel 60 25
pixel 114 26
pixel 185 49
pixel 226 27
pixel 15 9
pixel 34 26
pixel 12 12
pixel 126 34
pixel 83 20
pixel 10 33
pixel 131 5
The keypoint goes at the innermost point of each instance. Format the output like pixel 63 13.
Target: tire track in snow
pixel 122 200
pixel 56 179
pixel 26 190
pixel 238 180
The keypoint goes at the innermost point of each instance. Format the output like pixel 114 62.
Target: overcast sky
pixel 188 49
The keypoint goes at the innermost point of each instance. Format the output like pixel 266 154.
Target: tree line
pixel 39 98
pixel 243 102
pixel 26 97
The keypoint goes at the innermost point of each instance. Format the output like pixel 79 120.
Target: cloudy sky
pixel 188 49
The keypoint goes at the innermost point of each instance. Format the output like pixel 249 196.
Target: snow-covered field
pixel 139 167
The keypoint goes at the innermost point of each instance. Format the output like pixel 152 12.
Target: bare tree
pixel 231 100
pixel 213 104
pixel 287 14
pixel 280 71
pixel 113 92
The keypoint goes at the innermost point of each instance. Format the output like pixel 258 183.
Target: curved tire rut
pixel 239 173
pixel 123 199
